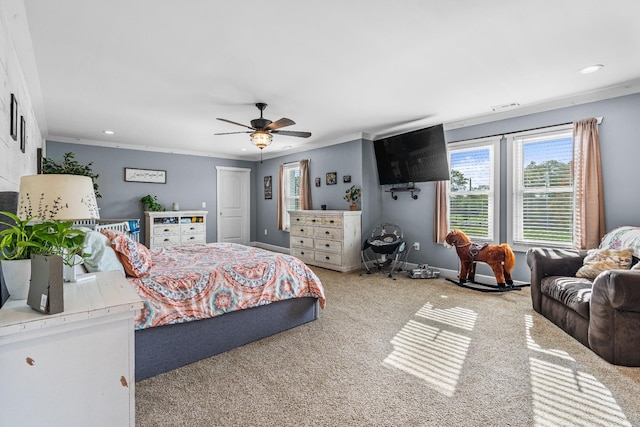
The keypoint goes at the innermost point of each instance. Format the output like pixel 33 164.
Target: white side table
pixel 75 368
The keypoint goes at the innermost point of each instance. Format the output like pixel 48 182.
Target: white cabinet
pixel 175 228
pixel 329 239
pixel 74 368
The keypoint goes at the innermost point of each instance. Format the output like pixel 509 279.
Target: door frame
pixel 246 194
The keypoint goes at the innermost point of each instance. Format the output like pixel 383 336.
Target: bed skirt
pixel 168 347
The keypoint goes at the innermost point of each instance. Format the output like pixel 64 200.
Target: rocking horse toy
pixel 499 257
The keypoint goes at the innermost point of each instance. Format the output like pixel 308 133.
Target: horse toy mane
pixel 500 258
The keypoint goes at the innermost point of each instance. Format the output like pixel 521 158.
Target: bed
pixel 202 300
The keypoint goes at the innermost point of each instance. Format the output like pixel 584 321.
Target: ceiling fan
pixel 262 129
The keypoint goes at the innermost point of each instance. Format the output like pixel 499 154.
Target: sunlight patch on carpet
pixel 564 396
pixel 532 345
pixel 431 353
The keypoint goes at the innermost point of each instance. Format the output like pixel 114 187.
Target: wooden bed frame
pixel 164 348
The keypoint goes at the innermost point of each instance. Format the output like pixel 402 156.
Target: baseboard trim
pixel 269 247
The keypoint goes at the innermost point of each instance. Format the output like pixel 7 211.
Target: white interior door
pixel 233 216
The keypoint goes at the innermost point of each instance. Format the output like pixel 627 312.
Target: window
pixel 541 205
pixel 290 190
pixel 472 193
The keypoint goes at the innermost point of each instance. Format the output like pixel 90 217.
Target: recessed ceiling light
pixel 243 149
pixel 108 132
pixel 592 69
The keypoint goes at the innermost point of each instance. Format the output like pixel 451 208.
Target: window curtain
pixel 440 226
pixel 589 197
pixel 305 186
pixel 280 216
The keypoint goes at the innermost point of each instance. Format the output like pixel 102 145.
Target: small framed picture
pixel 23 134
pixel 318 181
pixel 268 191
pixel 14 118
pixel 332 178
pixel 346 178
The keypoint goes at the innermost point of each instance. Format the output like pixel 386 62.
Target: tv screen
pixel 417 156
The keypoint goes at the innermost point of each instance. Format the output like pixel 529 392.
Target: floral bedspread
pixel 201 281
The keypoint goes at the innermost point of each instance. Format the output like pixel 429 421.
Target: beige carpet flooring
pixel 401 352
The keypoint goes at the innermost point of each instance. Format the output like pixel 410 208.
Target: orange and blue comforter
pixel 197 282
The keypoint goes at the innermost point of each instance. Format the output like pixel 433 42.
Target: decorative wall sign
pixel 332 178
pixel 346 178
pixel 23 134
pixel 318 182
pixel 145 175
pixel 14 118
pixel 267 188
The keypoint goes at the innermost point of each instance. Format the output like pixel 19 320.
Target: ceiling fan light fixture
pixel 261 138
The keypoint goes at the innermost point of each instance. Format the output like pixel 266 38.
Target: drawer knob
pixel 301 241
pixel 302 229
pixel 166 240
pixel 332 221
pixel 166 229
pixel 327 245
pixel 302 252
pixel 313 220
pixel 326 232
pixel 327 258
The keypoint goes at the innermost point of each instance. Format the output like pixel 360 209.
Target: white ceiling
pixel 159 72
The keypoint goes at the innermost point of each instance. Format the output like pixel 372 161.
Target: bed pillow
pixel 134 256
pixel 599 260
pixel 101 256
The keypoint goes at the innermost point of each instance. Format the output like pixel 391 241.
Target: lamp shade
pixel 57 196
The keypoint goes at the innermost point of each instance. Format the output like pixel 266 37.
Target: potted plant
pixel 71 167
pixel 17 243
pixel 352 196
pixel 23 238
pixel 151 203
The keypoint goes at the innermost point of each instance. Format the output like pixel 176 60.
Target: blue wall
pixel 191 180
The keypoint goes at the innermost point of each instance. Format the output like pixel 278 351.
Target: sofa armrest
pixel 545 262
pixel 614 317
pixel 620 289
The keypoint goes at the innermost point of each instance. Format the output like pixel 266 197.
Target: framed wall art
pixel 268 189
pixel 318 181
pixel 23 134
pixel 346 178
pixel 145 175
pixel 14 118
pixel 332 178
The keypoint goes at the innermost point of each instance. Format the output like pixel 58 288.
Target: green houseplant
pixel 22 238
pixel 352 195
pixel 71 167
pixel 151 203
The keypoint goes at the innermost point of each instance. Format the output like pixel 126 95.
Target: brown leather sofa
pixel 604 315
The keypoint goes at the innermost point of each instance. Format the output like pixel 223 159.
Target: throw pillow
pixel 599 260
pixel 134 256
pixel 101 256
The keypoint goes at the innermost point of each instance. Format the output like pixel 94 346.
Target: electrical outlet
pixel 416 246
pixel 204 204
pixel 265 231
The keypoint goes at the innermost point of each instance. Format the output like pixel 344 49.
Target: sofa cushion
pixel 572 292
pixel 599 260
pixel 623 237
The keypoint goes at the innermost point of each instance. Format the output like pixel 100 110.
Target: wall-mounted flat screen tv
pixel 417 156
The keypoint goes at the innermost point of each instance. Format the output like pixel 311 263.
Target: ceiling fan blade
pixel 292 133
pixel 280 124
pixel 232 133
pixel 236 123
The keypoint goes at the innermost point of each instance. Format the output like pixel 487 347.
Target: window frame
pixel 493 144
pixel 514 180
pixel 286 184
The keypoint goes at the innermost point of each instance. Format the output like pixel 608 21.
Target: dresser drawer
pixel 166 240
pixel 329 258
pixel 300 230
pixel 295 220
pixel 302 241
pixel 328 233
pixel 331 221
pixel 328 245
pixel 192 239
pixel 303 254
pixel 192 228
pixel 165 229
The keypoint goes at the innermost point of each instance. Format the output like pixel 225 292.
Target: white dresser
pixel 329 239
pixel 175 228
pixel 74 368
